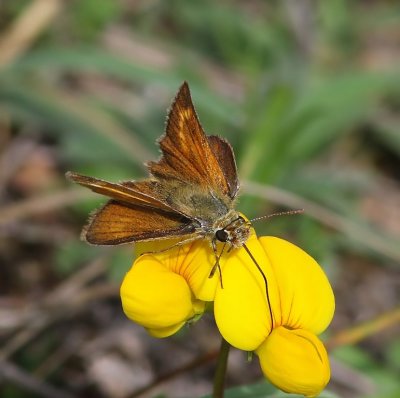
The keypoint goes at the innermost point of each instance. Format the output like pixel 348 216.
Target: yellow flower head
pixel 280 321
pixel 165 289
pixel 302 303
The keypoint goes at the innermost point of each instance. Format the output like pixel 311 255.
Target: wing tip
pixel 78 178
pixel 183 96
pixel 182 99
pixel 184 87
pixel 69 175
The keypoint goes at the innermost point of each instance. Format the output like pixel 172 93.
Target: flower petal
pixel 295 361
pixel 193 261
pixel 165 332
pixel 306 297
pixel 241 308
pixel 154 296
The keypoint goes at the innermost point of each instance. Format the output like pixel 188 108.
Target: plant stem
pixel 219 378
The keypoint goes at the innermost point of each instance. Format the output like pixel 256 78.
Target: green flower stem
pixel 219 378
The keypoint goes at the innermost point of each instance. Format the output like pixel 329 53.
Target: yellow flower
pixel 164 290
pixel 302 304
pixel 295 361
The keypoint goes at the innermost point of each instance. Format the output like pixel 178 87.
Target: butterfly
pixel 190 193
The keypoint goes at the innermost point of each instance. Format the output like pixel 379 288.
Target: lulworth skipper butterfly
pixel 190 193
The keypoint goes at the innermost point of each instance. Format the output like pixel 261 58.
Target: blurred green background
pixel 307 92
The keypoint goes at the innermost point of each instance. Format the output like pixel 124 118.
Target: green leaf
pixel 263 390
pixel 250 391
pixel 96 60
pixel 78 122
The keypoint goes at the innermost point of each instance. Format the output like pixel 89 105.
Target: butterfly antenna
pixel 265 282
pixel 281 213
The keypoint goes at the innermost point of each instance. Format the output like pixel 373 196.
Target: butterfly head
pixel 235 232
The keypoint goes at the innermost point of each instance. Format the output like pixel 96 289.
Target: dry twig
pixel 70 296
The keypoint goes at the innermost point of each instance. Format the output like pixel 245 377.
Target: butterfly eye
pixel 222 235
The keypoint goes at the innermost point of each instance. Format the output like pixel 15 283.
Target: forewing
pixel 187 153
pixel 132 192
pixel 116 223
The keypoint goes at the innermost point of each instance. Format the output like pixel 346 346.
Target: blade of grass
pixel 71 114
pixel 373 240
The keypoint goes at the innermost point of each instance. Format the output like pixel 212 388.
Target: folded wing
pixel 192 157
pixel 116 223
pixel 137 193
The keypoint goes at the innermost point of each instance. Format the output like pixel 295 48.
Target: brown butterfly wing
pixel 148 210
pixel 137 193
pixel 188 155
pixel 116 223
pixel 224 153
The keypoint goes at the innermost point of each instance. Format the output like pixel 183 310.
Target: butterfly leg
pixel 217 258
pixel 182 242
